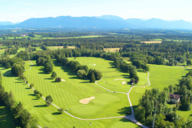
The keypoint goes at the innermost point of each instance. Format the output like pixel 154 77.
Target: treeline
pixel 44 47
pixel 46 62
pixel 81 70
pixel 155 102
pixel 128 68
pixel 67 34
pixel 22 118
pixel 17 65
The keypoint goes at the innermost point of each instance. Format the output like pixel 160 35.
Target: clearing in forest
pixel 111 49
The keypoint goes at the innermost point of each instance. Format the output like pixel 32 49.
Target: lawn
pixel 67 94
pixel 113 79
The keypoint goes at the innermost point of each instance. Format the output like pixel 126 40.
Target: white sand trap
pixel 119 79
pixel 94 64
pixel 123 82
pixel 62 80
pixel 86 100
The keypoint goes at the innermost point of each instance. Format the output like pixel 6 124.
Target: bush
pixel 31 85
pixel 92 80
pixel 58 79
pixel 48 100
pixel 38 96
pixel 48 68
pixel 81 73
pixel 53 75
pixel 60 110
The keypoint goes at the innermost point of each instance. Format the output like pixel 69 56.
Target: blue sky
pixel 20 10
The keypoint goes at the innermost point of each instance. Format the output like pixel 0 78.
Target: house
pixel 174 98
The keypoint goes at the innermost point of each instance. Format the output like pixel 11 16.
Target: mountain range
pixel 101 22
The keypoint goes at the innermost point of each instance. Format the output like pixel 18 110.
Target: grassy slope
pixel 69 93
pixel 112 77
pixel 76 89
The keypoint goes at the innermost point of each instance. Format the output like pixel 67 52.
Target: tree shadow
pixel 41 71
pixel 125 76
pixel 48 79
pixel 31 94
pixel 8 74
pixel 140 70
pixel 125 110
pixel 56 113
pixel 85 81
pixel 40 105
pixel 27 88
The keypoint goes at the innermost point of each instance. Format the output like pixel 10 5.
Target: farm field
pixel 149 42
pixel 67 94
pixel 111 49
pixel 54 47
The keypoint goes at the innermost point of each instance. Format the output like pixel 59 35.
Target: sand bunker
pixel 123 82
pixel 86 100
pixel 62 80
pixel 94 64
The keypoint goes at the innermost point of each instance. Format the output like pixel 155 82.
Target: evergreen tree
pixel 92 80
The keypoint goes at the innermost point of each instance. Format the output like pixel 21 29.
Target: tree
pixel 17 112
pixel 53 75
pixel 48 100
pixel 48 68
pixel 98 75
pixel 60 110
pixel 31 85
pixel 92 80
pixel 8 65
pixel 0 77
pixel 58 79
pixel 81 73
pixel 189 62
pixel 140 114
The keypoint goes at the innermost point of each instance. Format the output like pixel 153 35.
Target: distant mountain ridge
pixel 101 22
pixel 5 23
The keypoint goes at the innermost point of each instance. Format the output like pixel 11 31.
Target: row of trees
pixel 81 70
pixel 128 68
pixel 22 118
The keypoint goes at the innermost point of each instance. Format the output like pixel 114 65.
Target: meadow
pixel 67 94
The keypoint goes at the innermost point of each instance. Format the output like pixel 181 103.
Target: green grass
pixel 67 94
pixel 112 77
pixel 6 120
